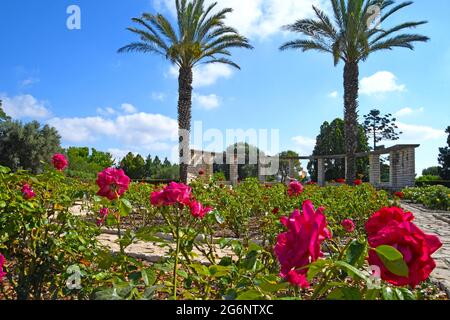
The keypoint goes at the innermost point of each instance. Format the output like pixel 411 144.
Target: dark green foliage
pixel 444 159
pixel 27 146
pixel 153 169
pixel 85 165
pixel 134 166
pixel 331 141
pixel 431 171
pixel 380 128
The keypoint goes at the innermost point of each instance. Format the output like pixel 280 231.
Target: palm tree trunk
pixel 184 118
pixel 351 87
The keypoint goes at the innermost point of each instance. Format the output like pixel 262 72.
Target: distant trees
pixel 431 171
pixel 380 128
pixel 444 159
pixel 284 165
pixel 137 168
pixel 85 164
pixel 26 146
pixel 3 116
pixel 331 141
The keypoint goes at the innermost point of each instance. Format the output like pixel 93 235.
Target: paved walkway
pixel 437 223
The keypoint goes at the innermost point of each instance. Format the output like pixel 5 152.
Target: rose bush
pixel 259 241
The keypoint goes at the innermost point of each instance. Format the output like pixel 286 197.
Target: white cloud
pixel 333 94
pixel 207 102
pixel 259 18
pixel 159 96
pixel 128 108
pixel 419 133
pixel 29 82
pixel 24 106
pixel 139 130
pixel 305 145
pixel 379 83
pixel 106 111
pixel 408 111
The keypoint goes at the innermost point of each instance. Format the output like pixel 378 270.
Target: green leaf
pixel 250 295
pixel 393 260
pixel 272 286
pixel 406 293
pixel 201 269
pixel 388 294
pixel 125 207
pixel 5 170
pixel 219 271
pixel 345 294
pixel 149 277
pixel 356 253
pixel 107 294
pixel 317 267
pixel 352 270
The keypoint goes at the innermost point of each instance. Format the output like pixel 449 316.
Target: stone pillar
pixel 291 169
pixel 261 177
pixel 394 170
pixel 375 169
pixel 321 172
pixel 234 173
pixel 407 163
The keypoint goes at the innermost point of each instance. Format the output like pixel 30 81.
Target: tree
pixel 380 127
pixel 331 141
pixel 444 159
pixel 200 37
pixel 350 36
pixel 3 116
pixel 27 146
pixel 134 166
pixel 284 165
pixel 431 171
pixel 83 164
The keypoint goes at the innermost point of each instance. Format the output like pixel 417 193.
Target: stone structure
pixel 401 157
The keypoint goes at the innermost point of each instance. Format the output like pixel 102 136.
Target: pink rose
pixel 300 245
pixel 297 279
pixel 2 263
pixel 295 189
pixel 113 183
pixel 104 212
pixel 174 193
pixel 27 192
pixel 348 225
pixel 197 209
pixel 393 227
pixel 60 162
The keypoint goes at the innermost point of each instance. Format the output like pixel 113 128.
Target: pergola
pixel 401 157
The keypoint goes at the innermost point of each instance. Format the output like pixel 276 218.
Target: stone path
pixel 155 252
pixel 437 223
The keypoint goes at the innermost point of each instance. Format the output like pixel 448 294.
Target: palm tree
pixel 351 37
pixel 200 37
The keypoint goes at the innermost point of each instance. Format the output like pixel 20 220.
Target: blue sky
pixel 76 81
